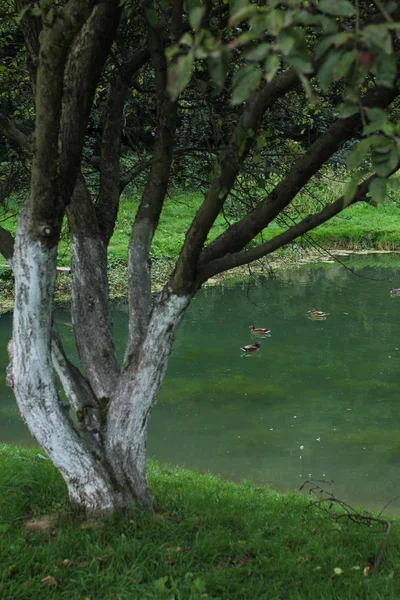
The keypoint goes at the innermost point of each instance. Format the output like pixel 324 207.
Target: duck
pixel 251 348
pixel 317 314
pixel 259 330
pixel 395 292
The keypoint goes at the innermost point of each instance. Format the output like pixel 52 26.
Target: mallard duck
pixel 251 348
pixel 317 314
pixel 259 330
pixel 395 292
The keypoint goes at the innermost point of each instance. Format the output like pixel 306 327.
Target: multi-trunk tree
pixel 267 51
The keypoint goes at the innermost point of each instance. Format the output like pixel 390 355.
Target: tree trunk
pixel 105 472
pixel 87 478
pixel 136 394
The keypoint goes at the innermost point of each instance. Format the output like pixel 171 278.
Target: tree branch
pixel 228 169
pixel 31 26
pixel 6 244
pixel 83 68
pixel 241 233
pixel 139 279
pixel 46 208
pixel 229 261
pixel 111 185
pixel 14 134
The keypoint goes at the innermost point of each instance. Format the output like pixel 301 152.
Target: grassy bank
pixel 360 227
pixel 215 540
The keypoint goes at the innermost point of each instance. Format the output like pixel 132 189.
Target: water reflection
pixel 319 399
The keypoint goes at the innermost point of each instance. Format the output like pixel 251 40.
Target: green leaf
pixel 347 109
pixel 379 35
pixel 384 165
pixel 195 16
pixel 338 8
pixel 244 82
pixel 275 19
pixel 358 153
pixel 271 66
pixel 351 187
pixel 385 69
pixel 22 12
pixel 286 41
pixel 151 16
pixel 179 75
pixel 344 64
pixel 377 114
pixel 325 73
pixel 243 14
pixel 301 62
pixel 377 189
pixel 218 67
pixel 36 12
pixel 257 53
pixel 312 97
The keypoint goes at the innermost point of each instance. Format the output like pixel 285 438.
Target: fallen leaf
pixel 49 580
pixel 356 568
pixel 338 571
pixel 67 562
pixel 178 549
pixel 198 524
pixel 366 571
pixel 100 560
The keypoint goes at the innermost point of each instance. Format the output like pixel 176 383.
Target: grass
pixel 359 227
pixel 216 540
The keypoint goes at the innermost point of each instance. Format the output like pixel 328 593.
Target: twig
pixel 328 498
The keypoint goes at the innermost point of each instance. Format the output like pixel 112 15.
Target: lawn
pixel 212 539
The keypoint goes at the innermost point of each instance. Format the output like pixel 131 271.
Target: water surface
pixel 320 399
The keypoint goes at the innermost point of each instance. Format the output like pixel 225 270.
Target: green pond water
pixel 319 400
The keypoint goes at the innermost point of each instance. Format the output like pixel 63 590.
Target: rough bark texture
pixel 34 383
pixel 91 313
pixel 136 394
pixel 111 185
pixel 139 279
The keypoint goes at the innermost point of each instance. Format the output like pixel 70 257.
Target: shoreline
pixel 291 257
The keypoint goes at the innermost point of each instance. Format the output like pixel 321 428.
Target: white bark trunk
pixel 91 314
pixel 136 394
pixel 33 376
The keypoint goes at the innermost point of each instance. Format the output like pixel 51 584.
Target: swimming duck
pixel 251 348
pixel 259 330
pixel 395 292
pixel 317 314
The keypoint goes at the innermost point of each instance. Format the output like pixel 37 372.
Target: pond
pixel 318 400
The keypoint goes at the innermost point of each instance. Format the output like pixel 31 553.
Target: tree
pixel 72 49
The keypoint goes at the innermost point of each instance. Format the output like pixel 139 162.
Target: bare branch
pixel 307 224
pixel 83 68
pixel 241 233
pixel 139 280
pixel 14 134
pixel 111 185
pixel 6 244
pixel 228 170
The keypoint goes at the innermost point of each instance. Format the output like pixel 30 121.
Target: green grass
pixel 216 540
pixel 359 227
